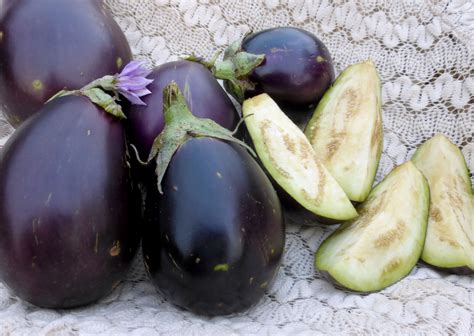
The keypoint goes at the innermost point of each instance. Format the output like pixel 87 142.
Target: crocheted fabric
pixel 424 53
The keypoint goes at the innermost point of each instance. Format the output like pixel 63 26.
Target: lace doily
pixel 424 53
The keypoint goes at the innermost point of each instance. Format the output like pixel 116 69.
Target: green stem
pixel 96 92
pixel 234 69
pixel 180 126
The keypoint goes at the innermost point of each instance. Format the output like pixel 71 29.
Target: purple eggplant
pixel 144 123
pixel 67 220
pixel 69 212
pixel 213 241
pixel 290 64
pixel 50 45
pixel 297 69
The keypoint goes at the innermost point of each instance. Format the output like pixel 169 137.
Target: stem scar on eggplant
pixel 180 126
pixel 221 267
pixel 37 85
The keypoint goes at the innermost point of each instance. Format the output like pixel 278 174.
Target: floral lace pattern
pixel 424 51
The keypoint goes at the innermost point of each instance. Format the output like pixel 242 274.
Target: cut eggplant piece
pixel 346 129
pixel 450 235
pixel 383 244
pixel 289 158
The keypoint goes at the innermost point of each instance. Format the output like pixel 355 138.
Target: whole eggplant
pixel 50 45
pixel 68 211
pixel 213 241
pixel 297 69
pixel 144 123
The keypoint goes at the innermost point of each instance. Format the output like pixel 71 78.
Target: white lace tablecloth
pixel 424 52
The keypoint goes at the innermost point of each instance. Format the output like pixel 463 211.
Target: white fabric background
pixel 424 52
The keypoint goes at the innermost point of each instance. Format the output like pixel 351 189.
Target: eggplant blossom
pixel 132 82
pixel 104 92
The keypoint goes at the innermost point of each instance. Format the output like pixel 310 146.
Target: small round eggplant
pixel 297 69
pixel 50 45
pixel 201 89
pixel 213 241
pixel 68 228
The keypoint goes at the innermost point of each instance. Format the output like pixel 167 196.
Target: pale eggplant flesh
pixel 289 159
pixel 450 235
pixel 383 244
pixel 346 129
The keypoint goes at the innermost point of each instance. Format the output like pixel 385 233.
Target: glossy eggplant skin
pixel 201 90
pixel 4 4
pixel 215 239
pixel 50 45
pixel 68 213
pixel 297 69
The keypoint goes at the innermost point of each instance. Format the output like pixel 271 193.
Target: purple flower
pixel 132 82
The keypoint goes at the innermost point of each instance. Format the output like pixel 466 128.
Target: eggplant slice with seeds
pixel 289 158
pixel 346 129
pixel 450 235
pixel 384 243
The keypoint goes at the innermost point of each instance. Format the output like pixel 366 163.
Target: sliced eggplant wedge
pixel 384 243
pixel 288 157
pixel 450 235
pixel 346 129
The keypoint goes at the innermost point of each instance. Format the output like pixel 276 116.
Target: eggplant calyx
pixel 180 126
pixel 131 83
pixel 98 97
pixel 234 69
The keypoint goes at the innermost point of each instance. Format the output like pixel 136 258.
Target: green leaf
pixel 104 100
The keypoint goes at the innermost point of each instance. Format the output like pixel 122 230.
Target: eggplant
pixel 288 157
pixel 450 237
pixel 346 129
pixel 384 243
pixel 297 69
pixel 69 213
pixel 50 45
pixel 214 239
pixel 290 64
pixel 145 123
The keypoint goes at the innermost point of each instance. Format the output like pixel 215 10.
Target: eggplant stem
pixel 137 156
pixel 241 121
pixel 180 126
pixel 234 69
